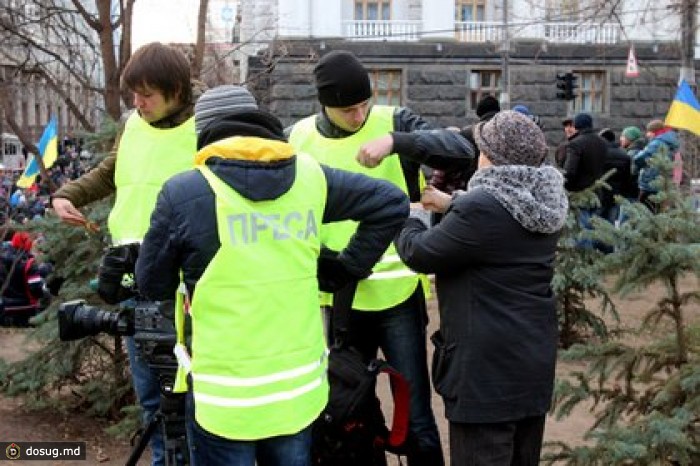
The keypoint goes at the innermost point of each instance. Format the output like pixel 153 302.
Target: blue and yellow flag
pixel 48 151
pixel 685 110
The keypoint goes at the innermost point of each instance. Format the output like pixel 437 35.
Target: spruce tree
pixel 646 396
pixel 577 276
pixel 90 374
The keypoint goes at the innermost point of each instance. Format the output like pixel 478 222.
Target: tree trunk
pixel 198 58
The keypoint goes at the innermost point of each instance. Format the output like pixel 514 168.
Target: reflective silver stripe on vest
pixel 391 274
pixel 262 380
pixel 257 401
pixel 122 242
pixel 390 258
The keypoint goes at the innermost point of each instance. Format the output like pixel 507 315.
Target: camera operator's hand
pixel 115 273
pixel 53 284
pixel 332 273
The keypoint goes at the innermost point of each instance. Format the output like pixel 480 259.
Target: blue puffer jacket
pixel 665 143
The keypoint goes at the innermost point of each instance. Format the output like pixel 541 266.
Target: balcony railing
pixel 478 31
pixel 578 33
pixel 486 31
pixel 382 30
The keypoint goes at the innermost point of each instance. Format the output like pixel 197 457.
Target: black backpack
pixel 351 429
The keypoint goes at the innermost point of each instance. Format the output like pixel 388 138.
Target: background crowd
pixel 19 205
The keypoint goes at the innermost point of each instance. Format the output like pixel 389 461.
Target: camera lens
pixel 78 320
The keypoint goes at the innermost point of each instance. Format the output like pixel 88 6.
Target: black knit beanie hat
pixel 341 80
pixel 583 121
pixel 488 104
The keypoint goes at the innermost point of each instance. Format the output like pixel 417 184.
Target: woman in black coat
pixel 493 257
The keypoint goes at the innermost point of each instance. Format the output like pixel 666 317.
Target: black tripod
pixel 170 419
pixel 155 338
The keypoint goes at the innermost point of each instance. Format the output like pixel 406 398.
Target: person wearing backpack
pixel 23 284
pixel 663 141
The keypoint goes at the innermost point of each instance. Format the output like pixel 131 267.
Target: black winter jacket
pixel 585 158
pixel 183 233
pixel 495 352
pixel 621 182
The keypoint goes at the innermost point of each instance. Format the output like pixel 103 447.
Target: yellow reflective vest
pixel 391 282
pixel 146 158
pixel 258 360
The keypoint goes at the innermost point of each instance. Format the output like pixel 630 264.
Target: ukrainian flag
pixel 48 151
pixel 685 110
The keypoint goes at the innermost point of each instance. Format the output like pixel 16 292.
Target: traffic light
pixel 566 84
pixel 561 86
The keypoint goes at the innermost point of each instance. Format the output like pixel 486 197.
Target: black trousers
pixel 515 443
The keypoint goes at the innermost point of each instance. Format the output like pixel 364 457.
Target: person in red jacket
pixel 22 284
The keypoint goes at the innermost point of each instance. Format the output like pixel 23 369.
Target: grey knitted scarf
pixel 534 196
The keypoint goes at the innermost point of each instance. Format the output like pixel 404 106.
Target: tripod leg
pixel 144 439
pixel 174 430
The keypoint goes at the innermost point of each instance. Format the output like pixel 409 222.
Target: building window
pixel 563 10
pixel 11 148
pixel 482 83
pixel 25 113
pixel 32 12
pixel 591 92
pixel 386 87
pixel 470 10
pixel 368 10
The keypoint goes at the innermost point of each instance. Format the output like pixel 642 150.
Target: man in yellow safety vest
pixel 243 231
pixel 157 141
pixel 390 143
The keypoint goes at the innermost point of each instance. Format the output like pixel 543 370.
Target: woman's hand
pixel 435 200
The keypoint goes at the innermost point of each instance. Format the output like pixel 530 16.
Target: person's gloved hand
pixel 54 284
pixel 331 273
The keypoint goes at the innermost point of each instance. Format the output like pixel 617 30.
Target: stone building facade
pixel 443 82
pixel 34 102
pixel 438 57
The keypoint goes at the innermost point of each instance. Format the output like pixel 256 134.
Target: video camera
pixel 152 325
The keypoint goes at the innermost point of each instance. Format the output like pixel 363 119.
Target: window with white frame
pixel 483 83
pixel 563 10
pixel 32 11
pixel 369 10
pixel 591 92
pixel 470 10
pixel 387 87
pixel 11 148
